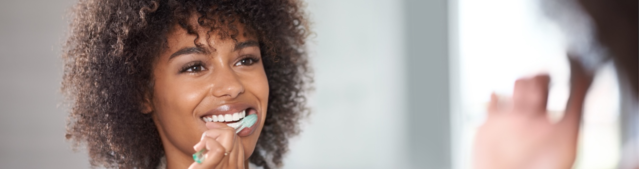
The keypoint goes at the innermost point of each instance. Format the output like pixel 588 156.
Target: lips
pixel 229 114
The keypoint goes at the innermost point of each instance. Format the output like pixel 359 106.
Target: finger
pixel 194 165
pixel 215 154
pixel 498 104
pixel 493 105
pixel 531 94
pixel 200 145
pixel 237 156
pixel 225 135
pixel 232 157
pixel 240 154
pixel 580 81
pixel 230 160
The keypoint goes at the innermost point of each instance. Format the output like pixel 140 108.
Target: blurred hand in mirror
pixel 517 132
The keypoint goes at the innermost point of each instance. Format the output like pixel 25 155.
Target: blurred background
pixel 399 83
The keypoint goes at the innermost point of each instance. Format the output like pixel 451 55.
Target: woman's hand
pixel 223 148
pixel 518 134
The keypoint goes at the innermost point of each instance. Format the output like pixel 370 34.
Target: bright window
pixel 498 41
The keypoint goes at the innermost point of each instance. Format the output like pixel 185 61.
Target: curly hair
pixel 108 60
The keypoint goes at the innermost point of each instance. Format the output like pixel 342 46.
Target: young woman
pixel 150 83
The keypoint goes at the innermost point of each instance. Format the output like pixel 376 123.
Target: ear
pixel 147 104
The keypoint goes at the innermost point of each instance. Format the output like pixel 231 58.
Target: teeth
pixel 226 117
pixel 236 116
pixel 220 118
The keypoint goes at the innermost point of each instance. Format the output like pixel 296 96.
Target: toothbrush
pixel 246 122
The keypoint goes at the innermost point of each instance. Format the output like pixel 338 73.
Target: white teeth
pixel 220 118
pixel 226 117
pixel 236 116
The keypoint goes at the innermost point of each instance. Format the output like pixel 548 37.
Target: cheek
pixel 174 102
pixel 257 85
pixel 262 92
pixel 264 87
pixel 172 97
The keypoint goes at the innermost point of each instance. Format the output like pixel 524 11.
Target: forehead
pixel 194 33
pixel 206 36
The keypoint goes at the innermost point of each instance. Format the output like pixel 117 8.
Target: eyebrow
pixel 200 50
pixel 242 45
pixel 188 50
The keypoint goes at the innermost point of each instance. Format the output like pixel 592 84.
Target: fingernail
pixel 196 145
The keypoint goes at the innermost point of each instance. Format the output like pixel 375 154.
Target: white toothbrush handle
pixel 239 129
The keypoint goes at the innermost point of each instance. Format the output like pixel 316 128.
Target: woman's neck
pixel 176 159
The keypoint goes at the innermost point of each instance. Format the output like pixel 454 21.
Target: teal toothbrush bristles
pixel 246 122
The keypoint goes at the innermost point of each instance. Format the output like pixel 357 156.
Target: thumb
pixel 241 157
pixel 580 81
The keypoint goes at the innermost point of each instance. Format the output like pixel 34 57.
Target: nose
pixel 226 84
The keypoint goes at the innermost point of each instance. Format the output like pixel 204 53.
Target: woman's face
pixel 220 77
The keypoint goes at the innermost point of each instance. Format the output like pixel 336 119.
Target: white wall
pixel 32 126
pixel 359 108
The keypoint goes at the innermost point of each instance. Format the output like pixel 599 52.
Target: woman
pixel 145 79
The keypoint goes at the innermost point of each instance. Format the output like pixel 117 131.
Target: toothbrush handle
pixel 239 129
pixel 199 156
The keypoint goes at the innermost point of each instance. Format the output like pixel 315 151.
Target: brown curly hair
pixel 108 60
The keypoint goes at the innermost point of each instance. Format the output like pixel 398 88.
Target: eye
pixel 193 67
pixel 247 61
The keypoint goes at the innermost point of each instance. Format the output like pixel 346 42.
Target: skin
pixel 517 133
pixel 228 76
